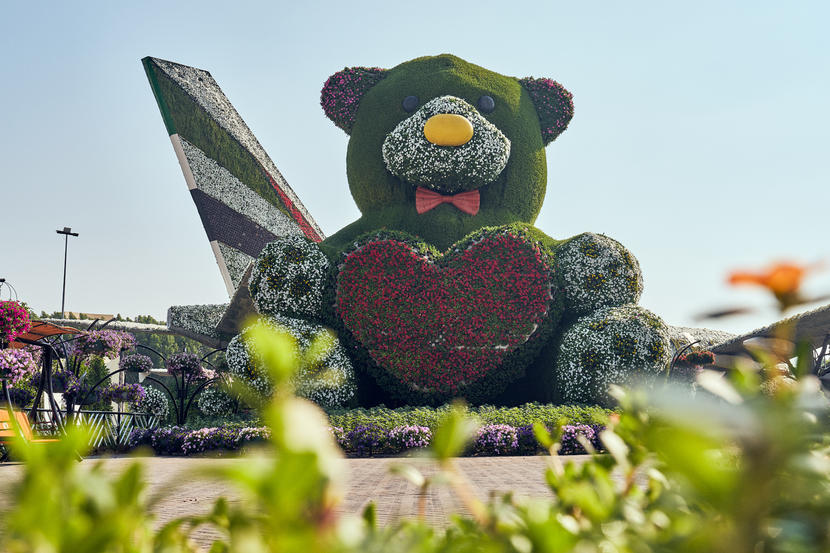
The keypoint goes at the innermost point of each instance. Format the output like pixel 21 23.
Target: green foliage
pixel 58 507
pixel 732 470
pixel 92 371
pixel 431 417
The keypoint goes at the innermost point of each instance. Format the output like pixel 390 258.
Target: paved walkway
pixel 178 489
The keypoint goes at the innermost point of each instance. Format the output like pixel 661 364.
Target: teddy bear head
pixel 440 147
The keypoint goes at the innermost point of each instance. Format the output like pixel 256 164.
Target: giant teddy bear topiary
pixel 443 288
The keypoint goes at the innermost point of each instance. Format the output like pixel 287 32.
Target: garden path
pixel 178 487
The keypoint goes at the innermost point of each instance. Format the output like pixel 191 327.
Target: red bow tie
pixel 468 202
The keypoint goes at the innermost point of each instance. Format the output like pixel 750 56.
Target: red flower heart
pixel 442 324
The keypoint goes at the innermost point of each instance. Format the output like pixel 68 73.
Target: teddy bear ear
pixel 554 105
pixel 342 93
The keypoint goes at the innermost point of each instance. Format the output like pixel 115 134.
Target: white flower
pixel 411 157
pixel 287 277
pixel 329 383
pixel 614 345
pixel 596 271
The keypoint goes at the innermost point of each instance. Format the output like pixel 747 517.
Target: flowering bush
pixel 441 326
pixel 155 402
pixel 168 440
pixel 596 271
pixel 287 278
pixel 107 343
pixel 411 157
pixel 178 440
pixel 22 394
pixel 569 443
pixel 329 382
pixel 14 321
pixel 135 363
pixel 214 401
pixel 124 393
pixel 614 345
pixel 403 438
pixel 496 439
pixel 366 440
pixel 362 441
pixel 17 364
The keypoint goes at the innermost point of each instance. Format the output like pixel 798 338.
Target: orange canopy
pixel 41 329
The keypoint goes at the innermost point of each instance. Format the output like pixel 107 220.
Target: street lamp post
pixel 67 232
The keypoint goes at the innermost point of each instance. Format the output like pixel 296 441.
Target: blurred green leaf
pixel 453 434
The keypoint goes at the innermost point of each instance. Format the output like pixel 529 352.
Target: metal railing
pixel 106 428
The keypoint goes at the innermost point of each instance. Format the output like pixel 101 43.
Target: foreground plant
pixel 730 470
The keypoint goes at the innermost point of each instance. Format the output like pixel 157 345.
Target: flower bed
pixel 363 441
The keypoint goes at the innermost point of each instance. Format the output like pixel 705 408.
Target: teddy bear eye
pixel 410 103
pixel 486 104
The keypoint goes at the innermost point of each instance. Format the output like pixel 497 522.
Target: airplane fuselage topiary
pixel 443 288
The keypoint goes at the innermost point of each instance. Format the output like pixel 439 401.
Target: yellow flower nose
pixel 448 129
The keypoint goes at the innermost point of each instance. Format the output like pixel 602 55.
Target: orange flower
pixel 781 278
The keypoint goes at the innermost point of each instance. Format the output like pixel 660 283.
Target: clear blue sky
pixel 700 139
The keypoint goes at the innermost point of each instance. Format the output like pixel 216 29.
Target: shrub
pixel 496 439
pixel 366 440
pixel 329 381
pixel 404 438
pixel 570 443
pixel 430 417
pixel 156 403
pixel 168 440
pixel 214 401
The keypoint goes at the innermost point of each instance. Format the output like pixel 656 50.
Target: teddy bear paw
pixel 328 380
pixel 623 345
pixel 288 278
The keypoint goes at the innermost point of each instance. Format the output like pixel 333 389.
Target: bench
pixel 10 431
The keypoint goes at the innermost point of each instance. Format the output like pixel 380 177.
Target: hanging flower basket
pixel 135 363
pixel 14 321
pixel 106 343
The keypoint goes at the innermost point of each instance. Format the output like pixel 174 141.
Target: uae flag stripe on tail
pixel 242 198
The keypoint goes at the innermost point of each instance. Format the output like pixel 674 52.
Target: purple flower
pixel 17 364
pixel 135 362
pixel 366 440
pixel 14 321
pixel 185 363
pixel 496 439
pixel 402 438
pixel 570 444
pixel 130 393
pixel 107 343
